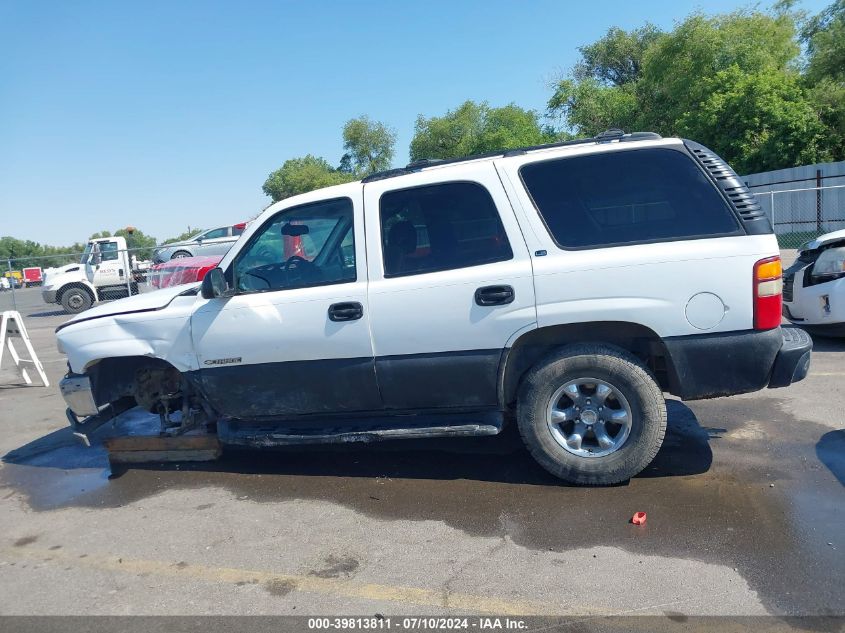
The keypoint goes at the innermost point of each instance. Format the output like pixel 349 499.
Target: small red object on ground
pixel 638 518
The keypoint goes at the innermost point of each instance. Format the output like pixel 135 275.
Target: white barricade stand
pixel 11 326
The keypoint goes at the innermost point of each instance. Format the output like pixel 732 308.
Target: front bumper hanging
pixel 78 395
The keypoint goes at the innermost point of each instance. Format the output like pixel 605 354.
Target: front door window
pixel 310 245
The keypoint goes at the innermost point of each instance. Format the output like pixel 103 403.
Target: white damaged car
pixel 814 286
pixel 564 288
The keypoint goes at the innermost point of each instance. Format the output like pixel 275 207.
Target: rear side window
pixel 440 227
pixel 214 234
pixel 634 196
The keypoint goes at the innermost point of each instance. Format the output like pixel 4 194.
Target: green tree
pixel 679 67
pixel 101 234
pixel 590 107
pixel 369 146
pixel 759 120
pixel 824 35
pixel 475 128
pixel 617 58
pixel 300 175
pixel 731 81
pixel 187 234
pixel 26 253
pixel 140 244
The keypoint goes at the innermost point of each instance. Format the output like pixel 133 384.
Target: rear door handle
pixel 494 295
pixel 348 311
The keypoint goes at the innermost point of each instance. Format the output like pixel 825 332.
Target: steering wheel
pixel 295 267
pixel 298 266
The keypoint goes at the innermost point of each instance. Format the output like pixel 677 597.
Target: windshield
pixel 86 253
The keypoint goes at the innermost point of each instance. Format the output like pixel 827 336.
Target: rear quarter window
pixel 627 197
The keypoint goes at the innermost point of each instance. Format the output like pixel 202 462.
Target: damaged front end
pixel 814 286
pixel 134 352
pixel 114 386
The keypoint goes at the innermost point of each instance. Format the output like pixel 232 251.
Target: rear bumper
pixel 713 365
pixel 793 360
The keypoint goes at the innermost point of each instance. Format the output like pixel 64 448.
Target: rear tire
pixel 76 300
pixel 180 255
pixel 592 386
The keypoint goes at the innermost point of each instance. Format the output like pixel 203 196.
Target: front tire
pixel 591 414
pixel 180 255
pixel 76 300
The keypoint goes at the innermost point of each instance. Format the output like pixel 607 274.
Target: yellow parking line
pixel 285 582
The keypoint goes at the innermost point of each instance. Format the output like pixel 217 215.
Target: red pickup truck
pixel 182 270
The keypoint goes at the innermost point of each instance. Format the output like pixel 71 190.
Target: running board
pixel 289 433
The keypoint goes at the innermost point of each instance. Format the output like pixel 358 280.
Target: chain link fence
pixel 71 283
pixel 799 215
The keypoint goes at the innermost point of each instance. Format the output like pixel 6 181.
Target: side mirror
pixel 96 259
pixel 213 284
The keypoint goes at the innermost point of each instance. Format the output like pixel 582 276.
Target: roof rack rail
pixel 613 134
pixel 424 162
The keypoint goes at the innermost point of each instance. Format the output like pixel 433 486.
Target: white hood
pixel 138 303
pixel 821 240
pixel 65 269
pixel 51 274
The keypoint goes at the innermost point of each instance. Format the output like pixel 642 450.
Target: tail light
pixel 768 293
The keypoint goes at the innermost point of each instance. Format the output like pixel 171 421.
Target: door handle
pixel 348 311
pixel 494 295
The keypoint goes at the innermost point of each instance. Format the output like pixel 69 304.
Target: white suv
pixel 568 286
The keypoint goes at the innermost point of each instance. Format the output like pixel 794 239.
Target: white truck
pixel 105 271
pixel 814 286
pixel 564 287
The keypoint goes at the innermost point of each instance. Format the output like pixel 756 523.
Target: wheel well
pixel 115 378
pixel 67 287
pixel 529 348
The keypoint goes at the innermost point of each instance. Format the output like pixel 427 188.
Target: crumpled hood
pixel 821 240
pixel 144 302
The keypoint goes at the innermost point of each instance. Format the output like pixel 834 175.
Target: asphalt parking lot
pixel 745 504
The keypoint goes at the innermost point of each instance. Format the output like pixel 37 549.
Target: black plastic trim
pixel 793 360
pixel 740 198
pixel 729 363
pixel 713 365
pixel 466 379
pixel 376 427
pixel 254 391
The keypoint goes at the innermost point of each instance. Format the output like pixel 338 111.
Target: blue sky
pixel 164 114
